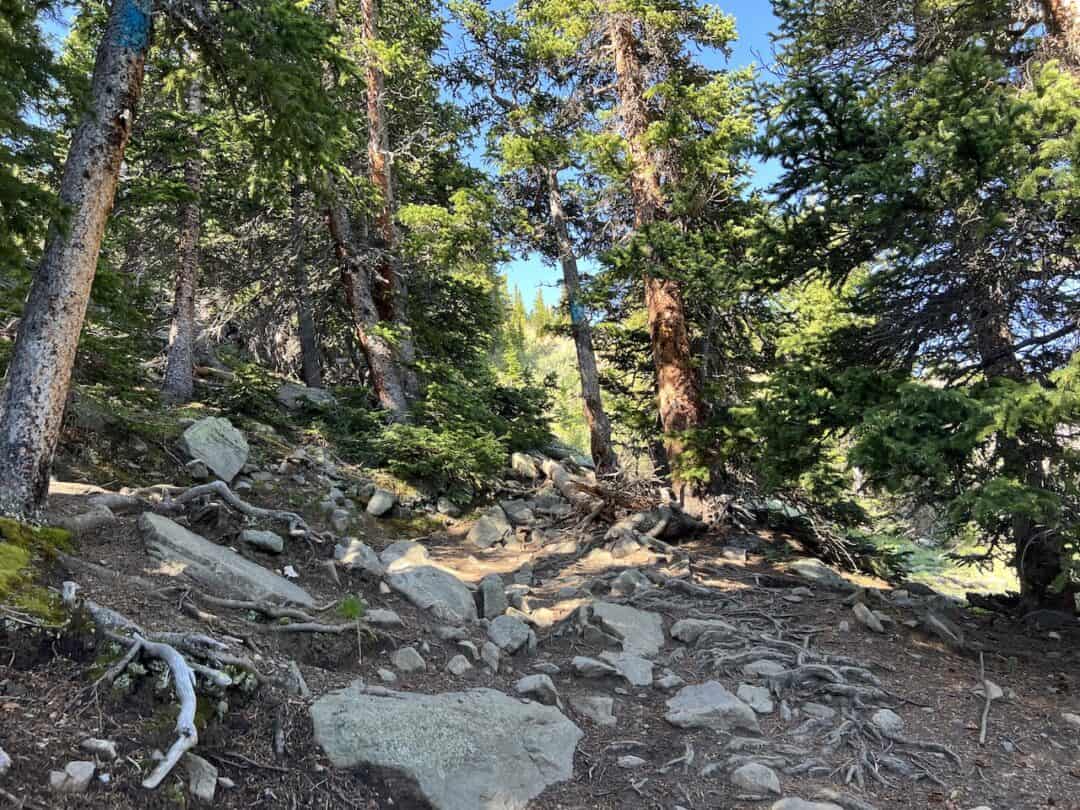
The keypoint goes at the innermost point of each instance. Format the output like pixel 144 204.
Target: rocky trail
pixel 348 646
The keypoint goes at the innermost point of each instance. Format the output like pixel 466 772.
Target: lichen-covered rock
pixel 218 444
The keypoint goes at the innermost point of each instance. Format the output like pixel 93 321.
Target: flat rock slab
pixel 641 632
pixel 709 705
pixel 461 750
pixel 216 443
pixel 434 589
pixel 215 567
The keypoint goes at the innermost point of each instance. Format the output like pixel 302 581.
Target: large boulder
pixel 215 442
pixel 493 527
pixel 215 567
pixel 434 589
pixel 458 750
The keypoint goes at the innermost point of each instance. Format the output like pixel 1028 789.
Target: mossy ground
pixel 22 548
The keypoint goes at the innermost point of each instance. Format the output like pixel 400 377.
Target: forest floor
pixel 794 647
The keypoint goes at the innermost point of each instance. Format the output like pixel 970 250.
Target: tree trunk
pixel 179 385
pixel 1037 550
pixel 1063 24
pixel 678 391
pixel 33 397
pixel 388 288
pixel 381 358
pixel 599 427
pixel 310 368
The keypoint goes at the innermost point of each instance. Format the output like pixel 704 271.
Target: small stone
pixel 451 633
pixel 445 506
pixel 509 633
pixel 75 778
pixel 887 722
pixel 202 778
pixel 357 556
pixel 1072 720
pixel 763 668
pixel 458 665
pixel 382 501
pixel 690 630
pixel 491 597
pixel 5 762
pixel 844 626
pixel 757 698
pixel 598 708
pixel 670 681
pixel 630 582
pixel 470 648
pixel 491 655
pixel 290 572
pixel 757 779
pixel 636 670
pixel 197 469
pixel 819 711
pixel 270 542
pixel 387 675
pixel 709 705
pixel 103 750
pixel 630 762
pixel 591 668
pixel 384 589
pixel 867 617
pixel 382 617
pixel 799 804
pixel 540 687
pixel 340 520
pixel 407 659
pixel 225 783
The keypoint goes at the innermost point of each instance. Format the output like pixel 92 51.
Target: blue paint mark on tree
pixel 133 29
pixel 577 312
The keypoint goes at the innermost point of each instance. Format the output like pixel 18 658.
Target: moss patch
pixel 21 547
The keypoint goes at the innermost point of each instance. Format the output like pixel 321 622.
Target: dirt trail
pixel 795 650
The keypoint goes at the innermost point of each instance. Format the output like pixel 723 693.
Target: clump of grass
pixel 21 548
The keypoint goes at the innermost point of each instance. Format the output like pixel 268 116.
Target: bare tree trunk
pixel 678 390
pixel 33 397
pixel 179 385
pixel 1037 550
pixel 1063 24
pixel 389 286
pixel 310 368
pixel 381 358
pixel 599 427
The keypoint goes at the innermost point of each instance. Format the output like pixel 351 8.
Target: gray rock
pixel 294 396
pixel 670 681
pixel 690 630
pixel 636 670
pixel 75 778
pixel 5 762
pixel 591 668
pixel 815 570
pixel 798 804
pixel 630 582
pixel 517 512
pixel 219 445
pixel 213 566
pixel 434 589
pixel 709 705
pixel 197 469
pixel 867 617
pixel 887 722
pixel 382 501
pixel 491 594
pixel 358 556
pixel 757 698
pixel 763 668
pixel 1071 720
pixel 819 710
pixel 631 762
pixel 547 667
pixel 757 779
pixel 509 633
pixel 641 632
pixel 539 687
pixel 490 655
pixel 270 542
pixel 382 617
pixel 404 554
pixel 524 466
pixel 103 750
pixel 492 527
pixel 597 708
pixel 458 665
pixel 340 520
pixel 202 778
pixel 445 506
pixel 387 675
pixel 462 750
pixel 407 659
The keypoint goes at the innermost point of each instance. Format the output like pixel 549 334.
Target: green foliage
pixel 352 608
pixel 22 547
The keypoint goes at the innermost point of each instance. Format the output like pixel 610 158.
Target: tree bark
pixel 599 427
pixel 179 384
pixel 33 397
pixel 1063 24
pixel 1037 550
pixel 381 358
pixel 310 367
pixel 388 287
pixel 678 390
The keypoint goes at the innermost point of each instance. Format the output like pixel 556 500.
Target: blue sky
pixel 755 21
